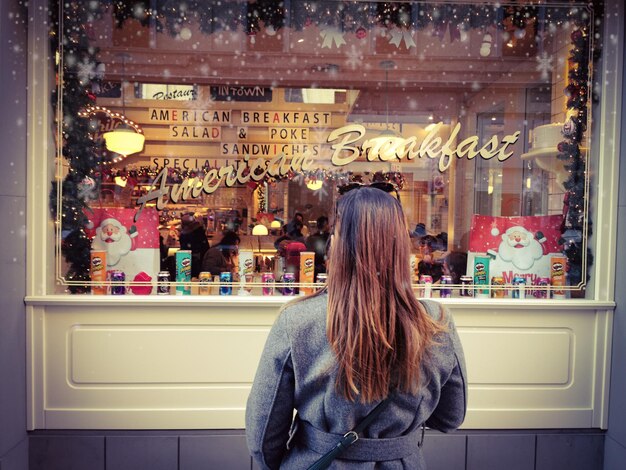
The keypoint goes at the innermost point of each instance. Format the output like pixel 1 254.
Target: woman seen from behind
pixel 335 355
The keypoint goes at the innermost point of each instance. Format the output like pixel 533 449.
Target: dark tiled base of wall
pixel 195 450
pixel 17 457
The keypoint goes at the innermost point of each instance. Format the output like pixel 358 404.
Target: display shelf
pixel 279 300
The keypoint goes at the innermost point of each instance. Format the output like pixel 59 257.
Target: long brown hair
pixel 377 329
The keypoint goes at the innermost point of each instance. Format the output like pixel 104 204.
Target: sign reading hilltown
pixel 348 144
pixel 241 93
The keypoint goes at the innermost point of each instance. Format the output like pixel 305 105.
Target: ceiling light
pixel 124 139
pixel 314 185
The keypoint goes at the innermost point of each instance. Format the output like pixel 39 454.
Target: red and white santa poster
pixel 131 246
pixel 517 246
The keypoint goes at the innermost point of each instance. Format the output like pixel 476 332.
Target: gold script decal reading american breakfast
pixel 384 149
pixel 432 146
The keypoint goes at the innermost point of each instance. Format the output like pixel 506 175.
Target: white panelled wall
pixel 147 363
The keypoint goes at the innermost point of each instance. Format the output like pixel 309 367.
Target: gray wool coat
pixel 297 372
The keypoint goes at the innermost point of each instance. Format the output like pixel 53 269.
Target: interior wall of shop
pixel 615 445
pixel 13 123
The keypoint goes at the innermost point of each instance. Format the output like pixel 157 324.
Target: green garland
pixel 574 231
pixel 348 16
pixel 83 155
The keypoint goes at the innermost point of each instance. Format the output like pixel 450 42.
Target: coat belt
pixel 364 449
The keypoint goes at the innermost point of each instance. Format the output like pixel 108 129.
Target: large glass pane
pixel 185 124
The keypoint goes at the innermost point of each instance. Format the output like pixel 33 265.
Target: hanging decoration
pixel 519 17
pixel 485 46
pixel 439 30
pixel 87 189
pixel 331 35
pixel 270 16
pixel 399 35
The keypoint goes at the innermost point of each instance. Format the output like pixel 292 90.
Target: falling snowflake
pixel 544 65
pixel 354 57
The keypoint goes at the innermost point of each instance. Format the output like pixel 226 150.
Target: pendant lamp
pixel 258 231
pixel 124 139
pixel 314 184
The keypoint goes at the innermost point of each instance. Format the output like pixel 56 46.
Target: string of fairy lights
pixel 145 174
pixel 92 110
pixel 88 161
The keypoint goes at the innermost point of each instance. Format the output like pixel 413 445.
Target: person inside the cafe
pixel 429 265
pixel 317 244
pixel 223 256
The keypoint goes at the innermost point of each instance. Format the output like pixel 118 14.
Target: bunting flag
pixel 399 35
pixel 330 35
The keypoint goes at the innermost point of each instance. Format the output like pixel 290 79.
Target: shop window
pixel 243 115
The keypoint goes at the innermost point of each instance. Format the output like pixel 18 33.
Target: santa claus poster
pixel 517 246
pixel 131 246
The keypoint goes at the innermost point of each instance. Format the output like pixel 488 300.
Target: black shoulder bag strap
pixel 349 438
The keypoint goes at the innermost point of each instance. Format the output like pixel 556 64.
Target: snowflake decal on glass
pixel 321 193
pixel 299 178
pixel 87 70
pixel 545 65
pixel 354 57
